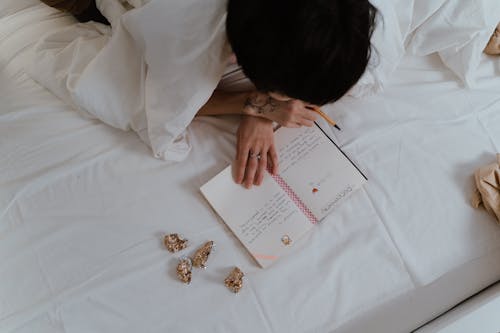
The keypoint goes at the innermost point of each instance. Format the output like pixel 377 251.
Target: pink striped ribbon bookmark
pixel 296 200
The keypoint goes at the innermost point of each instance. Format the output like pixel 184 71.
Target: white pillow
pixel 458 31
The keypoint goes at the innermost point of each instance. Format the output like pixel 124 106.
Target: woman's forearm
pixel 223 103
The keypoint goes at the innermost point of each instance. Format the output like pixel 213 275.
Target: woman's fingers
pixel 256 166
pixel 252 173
pixel 251 168
pixel 255 137
pixel 309 114
pixel 273 158
pixel 261 168
pixel 241 163
pixel 305 118
pixel 308 117
pixel 293 125
pixel 307 123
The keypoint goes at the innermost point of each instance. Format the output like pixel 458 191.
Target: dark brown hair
pixel 312 50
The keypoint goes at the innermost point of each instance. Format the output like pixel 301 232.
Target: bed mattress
pixel 83 209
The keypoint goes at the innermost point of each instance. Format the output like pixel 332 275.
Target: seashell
pixel 201 256
pixel 174 243
pixel 184 269
pixel 234 281
pixel 286 240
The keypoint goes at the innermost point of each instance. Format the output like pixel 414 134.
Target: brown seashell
pixel 201 256
pixel 184 269
pixel 234 281
pixel 286 240
pixel 174 243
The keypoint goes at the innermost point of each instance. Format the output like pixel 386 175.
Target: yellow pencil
pixel 325 116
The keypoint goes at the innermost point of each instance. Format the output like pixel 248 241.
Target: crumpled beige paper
pixel 493 47
pixel 487 190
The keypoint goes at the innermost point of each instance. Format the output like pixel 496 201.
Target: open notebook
pixel 315 176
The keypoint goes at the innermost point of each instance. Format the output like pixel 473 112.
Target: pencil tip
pixel 337 127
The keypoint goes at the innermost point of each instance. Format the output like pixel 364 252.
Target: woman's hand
pixel 287 113
pixel 254 149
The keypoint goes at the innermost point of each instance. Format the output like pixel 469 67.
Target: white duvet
pixel 151 72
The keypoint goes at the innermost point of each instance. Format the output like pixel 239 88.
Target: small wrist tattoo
pixel 261 104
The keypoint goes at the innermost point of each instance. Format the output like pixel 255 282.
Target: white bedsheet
pixel 83 208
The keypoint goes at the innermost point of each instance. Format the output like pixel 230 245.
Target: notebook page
pixel 317 171
pixel 263 217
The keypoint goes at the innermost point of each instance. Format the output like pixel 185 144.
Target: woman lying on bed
pixel 295 53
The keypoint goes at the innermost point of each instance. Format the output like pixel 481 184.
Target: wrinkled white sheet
pixel 83 208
